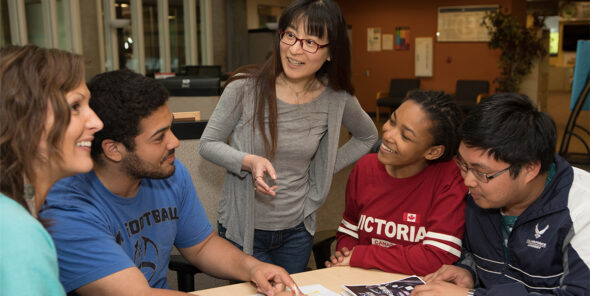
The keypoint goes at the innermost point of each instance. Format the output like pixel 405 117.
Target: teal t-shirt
pixel 28 260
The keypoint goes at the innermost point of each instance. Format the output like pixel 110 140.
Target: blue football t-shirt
pixel 98 233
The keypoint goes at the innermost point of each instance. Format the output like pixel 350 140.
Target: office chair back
pixel 470 89
pixel 400 87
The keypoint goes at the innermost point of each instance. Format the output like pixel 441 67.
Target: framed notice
pixel 373 39
pixel 387 41
pixel 423 57
pixel 463 23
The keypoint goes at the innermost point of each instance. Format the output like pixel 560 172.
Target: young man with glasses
pixel 528 210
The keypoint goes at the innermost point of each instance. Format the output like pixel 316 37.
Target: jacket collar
pixel 555 195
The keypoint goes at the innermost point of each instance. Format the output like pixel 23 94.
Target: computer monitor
pixel 202 70
pixel 192 86
pixel 572 33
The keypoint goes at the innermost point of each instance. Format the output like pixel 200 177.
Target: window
pixel 5 36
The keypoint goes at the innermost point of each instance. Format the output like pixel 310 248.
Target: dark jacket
pixel 548 248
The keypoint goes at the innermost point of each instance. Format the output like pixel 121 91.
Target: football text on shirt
pixel 154 216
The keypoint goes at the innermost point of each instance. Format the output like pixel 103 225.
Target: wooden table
pixel 332 278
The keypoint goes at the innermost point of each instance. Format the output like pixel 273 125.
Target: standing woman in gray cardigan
pixel 283 122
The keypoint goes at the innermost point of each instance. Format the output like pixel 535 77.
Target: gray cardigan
pixel 232 117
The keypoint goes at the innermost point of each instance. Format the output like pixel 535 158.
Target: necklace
pixel 306 89
pixel 309 88
pixel 29 195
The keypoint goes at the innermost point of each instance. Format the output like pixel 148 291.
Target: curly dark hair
pixel 446 117
pixel 511 129
pixel 121 99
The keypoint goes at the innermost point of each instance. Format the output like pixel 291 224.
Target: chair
pixel 398 89
pixel 322 246
pixel 469 93
pixel 578 158
pixel 185 272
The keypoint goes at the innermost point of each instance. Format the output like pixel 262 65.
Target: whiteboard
pixel 423 57
pixel 462 23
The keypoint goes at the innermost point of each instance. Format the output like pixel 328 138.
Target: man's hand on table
pixel 441 288
pixel 451 273
pixel 340 258
pixel 272 280
pixel 447 280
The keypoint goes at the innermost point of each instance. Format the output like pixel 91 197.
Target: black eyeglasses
pixel 482 177
pixel 308 45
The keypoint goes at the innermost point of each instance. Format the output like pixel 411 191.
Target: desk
pixel 332 278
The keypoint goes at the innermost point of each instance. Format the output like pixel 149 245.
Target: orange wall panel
pixel 451 60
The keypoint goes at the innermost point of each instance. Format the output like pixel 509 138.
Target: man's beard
pixel 138 168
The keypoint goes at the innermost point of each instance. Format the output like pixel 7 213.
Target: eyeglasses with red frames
pixel 482 177
pixel 308 45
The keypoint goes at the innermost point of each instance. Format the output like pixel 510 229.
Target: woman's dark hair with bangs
pixel 33 80
pixel 320 17
pixel 446 119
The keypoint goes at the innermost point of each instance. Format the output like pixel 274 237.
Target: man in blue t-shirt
pixel 114 227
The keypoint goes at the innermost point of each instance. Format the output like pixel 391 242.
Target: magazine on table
pixel 401 287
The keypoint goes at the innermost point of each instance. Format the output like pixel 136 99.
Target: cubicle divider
pixel 208 181
pixel 196 94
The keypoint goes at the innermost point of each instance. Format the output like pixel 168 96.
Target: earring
pixel 29 193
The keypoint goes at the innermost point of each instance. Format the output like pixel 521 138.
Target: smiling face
pixel 153 156
pixel 77 139
pixel 298 64
pixel 407 141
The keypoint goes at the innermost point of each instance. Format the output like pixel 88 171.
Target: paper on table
pixel 313 290
pixel 401 287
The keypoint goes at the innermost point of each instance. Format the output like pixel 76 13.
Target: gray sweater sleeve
pixel 227 114
pixel 364 134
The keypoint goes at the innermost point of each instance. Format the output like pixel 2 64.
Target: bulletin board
pixel 463 23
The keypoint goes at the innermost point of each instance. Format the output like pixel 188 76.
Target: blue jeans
pixel 288 248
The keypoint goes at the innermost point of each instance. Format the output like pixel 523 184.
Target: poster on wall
pixel 387 41
pixel 423 57
pixel 462 23
pixel 402 38
pixel 373 39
